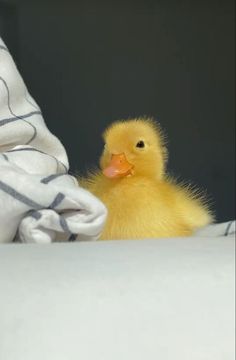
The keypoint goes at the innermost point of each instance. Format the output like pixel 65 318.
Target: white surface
pixel 124 300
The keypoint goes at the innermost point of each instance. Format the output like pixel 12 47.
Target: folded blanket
pixel 39 201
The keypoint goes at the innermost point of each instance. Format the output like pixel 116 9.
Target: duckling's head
pixel 134 148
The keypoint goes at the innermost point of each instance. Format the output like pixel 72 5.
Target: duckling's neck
pixel 133 179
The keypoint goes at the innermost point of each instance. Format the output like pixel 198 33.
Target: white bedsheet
pixel 118 300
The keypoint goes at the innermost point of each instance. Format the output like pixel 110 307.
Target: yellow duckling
pixel 142 201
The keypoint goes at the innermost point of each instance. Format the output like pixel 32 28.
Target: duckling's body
pixel 143 204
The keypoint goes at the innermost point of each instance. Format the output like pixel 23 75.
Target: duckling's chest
pixel 132 198
pixel 139 211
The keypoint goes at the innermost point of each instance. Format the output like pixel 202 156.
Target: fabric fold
pixel 39 201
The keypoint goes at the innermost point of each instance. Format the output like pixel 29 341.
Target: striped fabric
pixel 218 230
pixel 39 201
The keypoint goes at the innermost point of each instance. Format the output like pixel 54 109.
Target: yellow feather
pixel 146 204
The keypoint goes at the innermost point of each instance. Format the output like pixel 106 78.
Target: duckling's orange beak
pixel 118 167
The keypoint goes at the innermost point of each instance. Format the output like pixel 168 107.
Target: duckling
pixel 142 200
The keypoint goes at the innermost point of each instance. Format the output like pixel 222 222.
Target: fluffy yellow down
pixel 144 203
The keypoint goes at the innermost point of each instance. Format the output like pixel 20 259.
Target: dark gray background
pixel 88 63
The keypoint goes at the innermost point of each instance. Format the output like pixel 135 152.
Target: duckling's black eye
pixel 140 144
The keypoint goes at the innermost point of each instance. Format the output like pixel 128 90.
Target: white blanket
pixel 166 299
pixel 39 201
